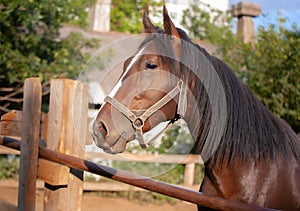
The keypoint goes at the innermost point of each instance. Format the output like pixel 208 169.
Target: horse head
pixel 148 92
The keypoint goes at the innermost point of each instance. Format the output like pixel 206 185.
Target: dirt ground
pixel 91 202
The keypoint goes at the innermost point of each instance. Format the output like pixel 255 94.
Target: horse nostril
pixel 102 129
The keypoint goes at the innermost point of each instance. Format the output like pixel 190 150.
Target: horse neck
pixel 206 92
pixel 251 132
pixel 198 113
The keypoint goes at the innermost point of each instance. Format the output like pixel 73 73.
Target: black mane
pixel 252 131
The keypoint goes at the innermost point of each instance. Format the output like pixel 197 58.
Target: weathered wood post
pixel 245 12
pixel 67 128
pixel 189 173
pixel 100 16
pixel 30 142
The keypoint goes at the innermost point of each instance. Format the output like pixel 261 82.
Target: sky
pixel 289 9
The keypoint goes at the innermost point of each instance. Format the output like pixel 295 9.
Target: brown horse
pixel 250 155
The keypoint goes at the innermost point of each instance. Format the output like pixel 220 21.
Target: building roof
pixel 109 37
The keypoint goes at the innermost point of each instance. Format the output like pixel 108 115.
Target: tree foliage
pixel 126 15
pixel 205 26
pixel 30 43
pixel 9 167
pixel 271 68
pixel 274 71
pixel 176 140
pixel 31 46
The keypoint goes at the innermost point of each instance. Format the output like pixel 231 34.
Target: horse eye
pixel 151 66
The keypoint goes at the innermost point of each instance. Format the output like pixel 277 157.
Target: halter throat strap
pixel 138 121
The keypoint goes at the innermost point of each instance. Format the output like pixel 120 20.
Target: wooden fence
pixel 64 128
pixel 60 163
pixel 11 125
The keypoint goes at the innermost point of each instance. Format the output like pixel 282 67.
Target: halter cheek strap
pixel 139 121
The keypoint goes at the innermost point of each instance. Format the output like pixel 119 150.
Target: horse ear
pixel 169 25
pixel 171 30
pixel 148 26
pixel 127 62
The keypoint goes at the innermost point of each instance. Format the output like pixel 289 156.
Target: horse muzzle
pixel 111 142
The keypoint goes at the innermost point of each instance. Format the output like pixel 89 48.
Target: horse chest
pixel 267 184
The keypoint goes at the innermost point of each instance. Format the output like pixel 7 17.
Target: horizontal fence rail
pixel 189 161
pixel 137 180
pixel 148 158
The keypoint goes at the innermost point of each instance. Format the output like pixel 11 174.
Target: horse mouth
pixel 107 143
pixel 119 145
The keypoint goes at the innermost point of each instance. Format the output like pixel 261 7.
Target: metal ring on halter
pixel 136 125
pixel 180 83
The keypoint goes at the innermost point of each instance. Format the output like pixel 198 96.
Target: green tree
pixel 9 166
pixel 271 68
pixel 126 15
pixel 274 71
pixel 30 43
pixel 202 25
pixel 176 140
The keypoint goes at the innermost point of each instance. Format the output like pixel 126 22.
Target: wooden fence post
pixel 30 142
pixel 67 128
pixel 189 172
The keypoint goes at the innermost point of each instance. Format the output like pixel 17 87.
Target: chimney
pixel 245 12
pixel 100 16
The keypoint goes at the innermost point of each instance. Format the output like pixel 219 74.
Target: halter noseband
pixel 138 121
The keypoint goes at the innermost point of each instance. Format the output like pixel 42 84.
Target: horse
pixel 250 155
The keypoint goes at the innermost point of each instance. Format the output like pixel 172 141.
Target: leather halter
pixel 139 121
